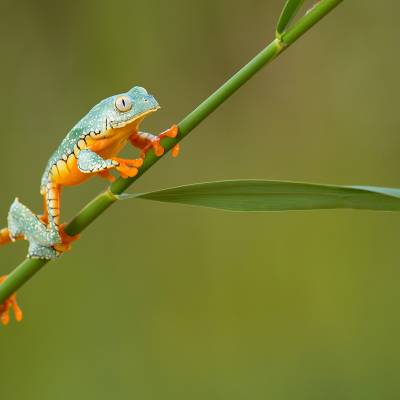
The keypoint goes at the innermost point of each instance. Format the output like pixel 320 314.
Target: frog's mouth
pixel 132 122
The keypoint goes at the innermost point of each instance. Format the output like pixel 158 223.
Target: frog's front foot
pixel 10 303
pixel 155 143
pixel 127 168
pixel 172 133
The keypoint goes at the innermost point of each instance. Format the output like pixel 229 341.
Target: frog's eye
pixel 123 103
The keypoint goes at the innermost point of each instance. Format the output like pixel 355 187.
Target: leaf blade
pixel 288 13
pixel 265 195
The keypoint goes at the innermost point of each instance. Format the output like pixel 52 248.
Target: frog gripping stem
pixel 146 141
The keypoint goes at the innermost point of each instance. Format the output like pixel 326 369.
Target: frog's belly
pixel 66 173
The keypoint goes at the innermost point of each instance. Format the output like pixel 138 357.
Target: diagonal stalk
pixel 29 267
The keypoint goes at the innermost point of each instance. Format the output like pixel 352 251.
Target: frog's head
pixel 130 107
pixel 119 114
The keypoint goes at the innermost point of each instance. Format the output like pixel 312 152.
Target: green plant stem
pixel 24 271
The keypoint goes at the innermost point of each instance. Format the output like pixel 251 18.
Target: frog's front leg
pixel 47 239
pixel 146 141
pixel 90 162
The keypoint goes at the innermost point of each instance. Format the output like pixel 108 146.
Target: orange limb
pixel 10 303
pixel 145 143
pixel 52 200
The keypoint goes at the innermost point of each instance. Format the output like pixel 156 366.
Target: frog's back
pixel 64 150
pixel 69 147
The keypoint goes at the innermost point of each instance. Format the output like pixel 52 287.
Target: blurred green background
pixel 159 301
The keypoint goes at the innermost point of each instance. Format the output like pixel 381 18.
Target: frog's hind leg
pixel 22 222
pixel 6 237
pixel 52 197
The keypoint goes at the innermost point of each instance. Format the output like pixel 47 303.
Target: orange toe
pixel 17 311
pixel 128 172
pixel 138 162
pixel 172 132
pixel 4 317
pixel 5 236
pixel 175 150
pixel 66 240
pixel 158 149
pixel 10 303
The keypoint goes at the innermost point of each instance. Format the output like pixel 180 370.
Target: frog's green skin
pixel 89 149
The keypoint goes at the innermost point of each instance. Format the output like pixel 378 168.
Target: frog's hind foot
pixel 45 242
pixel 10 303
pixel 22 222
pixel 66 240
pixel 42 252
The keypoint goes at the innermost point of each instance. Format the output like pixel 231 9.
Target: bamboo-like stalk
pixel 29 267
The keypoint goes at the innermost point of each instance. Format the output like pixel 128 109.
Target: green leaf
pixel 263 195
pixel 289 11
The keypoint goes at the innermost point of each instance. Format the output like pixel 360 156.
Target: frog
pixel 89 149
